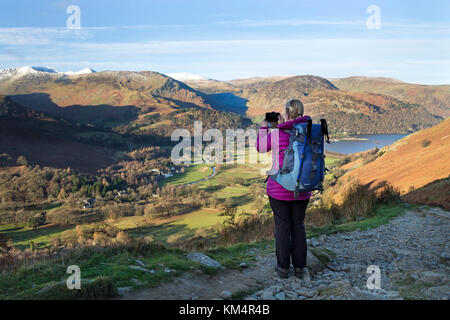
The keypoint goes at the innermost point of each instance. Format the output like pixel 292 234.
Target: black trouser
pixel 290 237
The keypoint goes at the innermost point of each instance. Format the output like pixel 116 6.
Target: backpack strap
pixel 275 173
pixel 297 192
pixel 277 155
pixel 324 130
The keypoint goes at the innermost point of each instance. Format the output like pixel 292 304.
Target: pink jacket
pixel 264 143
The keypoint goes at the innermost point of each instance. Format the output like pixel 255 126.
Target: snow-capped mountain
pixel 25 70
pixel 183 76
pixel 84 71
pixel 28 69
pixel 36 71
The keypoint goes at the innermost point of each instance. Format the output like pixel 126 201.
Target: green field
pixel 162 229
pixel 200 218
pixel 23 236
pixel 193 173
pixel 220 186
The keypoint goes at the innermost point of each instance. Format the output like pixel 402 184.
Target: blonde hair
pixel 294 108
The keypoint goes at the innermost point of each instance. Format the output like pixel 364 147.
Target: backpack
pixel 303 166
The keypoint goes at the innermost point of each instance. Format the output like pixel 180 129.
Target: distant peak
pixel 29 69
pixel 84 71
pixel 37 71
pixel 365 78
pixel 181 76
pixel 26 70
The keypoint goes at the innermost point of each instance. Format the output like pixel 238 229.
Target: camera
pixel 272 118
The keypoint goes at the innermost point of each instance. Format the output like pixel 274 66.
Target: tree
pixel 22 161
pixel 36 220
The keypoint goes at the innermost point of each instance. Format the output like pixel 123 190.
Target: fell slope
pixel 25 132
pixel 274 95
pixel 435 98
pixel 411 162
pixel 366 113
pixel 144 91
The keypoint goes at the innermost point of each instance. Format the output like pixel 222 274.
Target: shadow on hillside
pixel 228 102
pixel 213 188
pixel 98 114
pixel 179 104
pixel 27 235
pixel 52 149
pixel 163 231
pixel 376 185
pixel 242 200
pixel 436 193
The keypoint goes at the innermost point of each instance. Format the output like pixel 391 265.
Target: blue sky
pixel 232 39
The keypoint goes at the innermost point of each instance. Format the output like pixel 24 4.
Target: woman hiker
pixel 289 211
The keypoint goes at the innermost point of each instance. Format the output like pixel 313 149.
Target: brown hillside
pixel 143 90
pixel 366 112
pixel 436 193
pixel 435 98
pixel 274 95
pixel 251 86
pixel 257 81
pixel 46 150
pixel 21 135
pixel 411 162
pixel 212 86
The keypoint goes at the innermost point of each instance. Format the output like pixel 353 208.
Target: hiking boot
pixel 298 272
pixel 282 272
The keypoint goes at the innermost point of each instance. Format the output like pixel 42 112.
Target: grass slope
pixel 103 271
pixel 411 162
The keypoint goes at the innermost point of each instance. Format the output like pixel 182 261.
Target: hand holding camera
pixel 272 119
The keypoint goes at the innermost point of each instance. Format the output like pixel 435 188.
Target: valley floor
pixel 412 252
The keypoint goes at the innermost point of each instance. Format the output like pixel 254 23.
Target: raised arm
pixel 263 139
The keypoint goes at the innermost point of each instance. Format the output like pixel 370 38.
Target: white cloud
pixel 413 27
pixel 413 60
pixel 290 22
pixel 40 36
pixel 329 47
pixel 333 21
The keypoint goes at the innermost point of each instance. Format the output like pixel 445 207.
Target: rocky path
pixel 412 253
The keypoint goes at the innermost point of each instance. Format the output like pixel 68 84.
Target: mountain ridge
pixel 349 112
pixel 145 90
pixel 435 98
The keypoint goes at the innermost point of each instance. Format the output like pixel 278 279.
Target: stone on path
pixel 225 294
pixel 204 260
pixel 142 269
pixel 306 278
pixel 432 277
pixel 123 290
pixel 139 262
pixel 306 293
pixel 313 263
pixel 280 296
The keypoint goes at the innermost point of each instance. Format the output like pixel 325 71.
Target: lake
pixel 364 142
